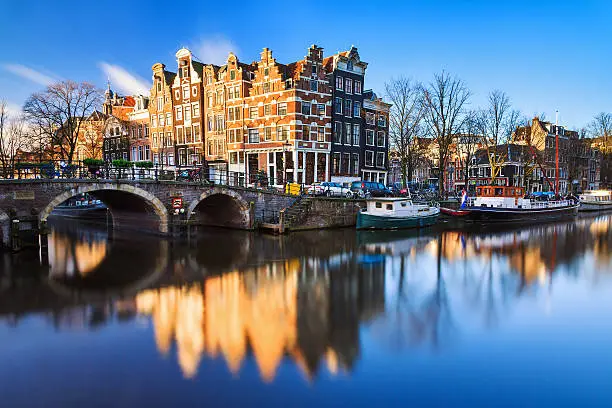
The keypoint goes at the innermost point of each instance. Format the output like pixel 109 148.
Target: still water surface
pixel 519 317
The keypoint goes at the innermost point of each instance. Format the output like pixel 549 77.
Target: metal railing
pixel 141 171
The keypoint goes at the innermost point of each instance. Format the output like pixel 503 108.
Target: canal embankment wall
pixel 322 213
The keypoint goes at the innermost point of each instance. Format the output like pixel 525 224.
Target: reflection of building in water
pixel 601 232
pixel 280 309
pixel 76 255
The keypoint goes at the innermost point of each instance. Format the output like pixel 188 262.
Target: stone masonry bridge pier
pixel 145 205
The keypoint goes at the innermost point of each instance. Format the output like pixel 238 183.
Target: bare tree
pixel 444 100
pixel 467 143
pixel 61 110
pixel 601 127
pixel 495 125
pixel 13 135
pixel 407 111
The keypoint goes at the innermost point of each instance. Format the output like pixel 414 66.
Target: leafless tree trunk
pixel 13 133
pixel 444 101
pixel 407 111
pixel 601 126
pixel 467 144
pixel 61 111
pixel 495 125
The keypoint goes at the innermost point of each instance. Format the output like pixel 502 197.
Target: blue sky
pixel 546 55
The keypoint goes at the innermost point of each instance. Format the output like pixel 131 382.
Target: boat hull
pixel 595 206
pixel 501 215
pixel 85 212
pixel 369 221
pixel 454 213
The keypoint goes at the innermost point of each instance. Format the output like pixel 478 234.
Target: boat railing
pixel 550 204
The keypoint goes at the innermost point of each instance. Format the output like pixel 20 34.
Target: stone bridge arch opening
pixel 130 207
pixel 220 208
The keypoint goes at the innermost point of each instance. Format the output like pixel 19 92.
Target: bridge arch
pixel 220 208
pixel 119 198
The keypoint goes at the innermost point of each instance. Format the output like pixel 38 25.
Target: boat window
pixel 378 205
pixel 512 191
pixel 403 204
pixel 389 207
pixel 499 191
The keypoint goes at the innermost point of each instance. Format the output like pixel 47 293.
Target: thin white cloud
pixel 214 50
pixel 124 81
pixel 13 109
pixel 29 74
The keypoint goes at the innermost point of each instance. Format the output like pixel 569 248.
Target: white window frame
pixel 380 154
pixel 370 131
pixel 348 86
pixel 369 163
pixel 340 82
pixel 384 138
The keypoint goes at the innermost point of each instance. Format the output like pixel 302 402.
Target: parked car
pixel 329 189
pixel 315 189
pixel 366 189
pixel 332 189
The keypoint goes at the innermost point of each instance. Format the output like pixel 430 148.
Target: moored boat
pixel 509 204
pixel 83 207
pixel 396 213
pixel 596 200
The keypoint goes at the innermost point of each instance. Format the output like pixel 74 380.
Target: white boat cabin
pixel 596 196
pixel 511 197
pixel 398 207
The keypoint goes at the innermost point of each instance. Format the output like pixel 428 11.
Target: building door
pixel 310 158
pixel 321 166
pixel 253 165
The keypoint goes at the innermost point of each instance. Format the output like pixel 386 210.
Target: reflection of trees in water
pixel 465 278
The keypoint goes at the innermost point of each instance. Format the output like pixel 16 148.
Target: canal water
pixel 489 317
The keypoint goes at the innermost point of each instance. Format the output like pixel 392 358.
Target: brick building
pixel 347 152
pixel 188 99
pixel 541 137
pixel 139 131
pixel 225 87
pixel 283 129
pixel 161 110
pixel 115 129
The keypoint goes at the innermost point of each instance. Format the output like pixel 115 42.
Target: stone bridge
pixel 144 205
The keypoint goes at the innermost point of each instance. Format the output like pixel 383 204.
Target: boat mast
pixel 557 152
